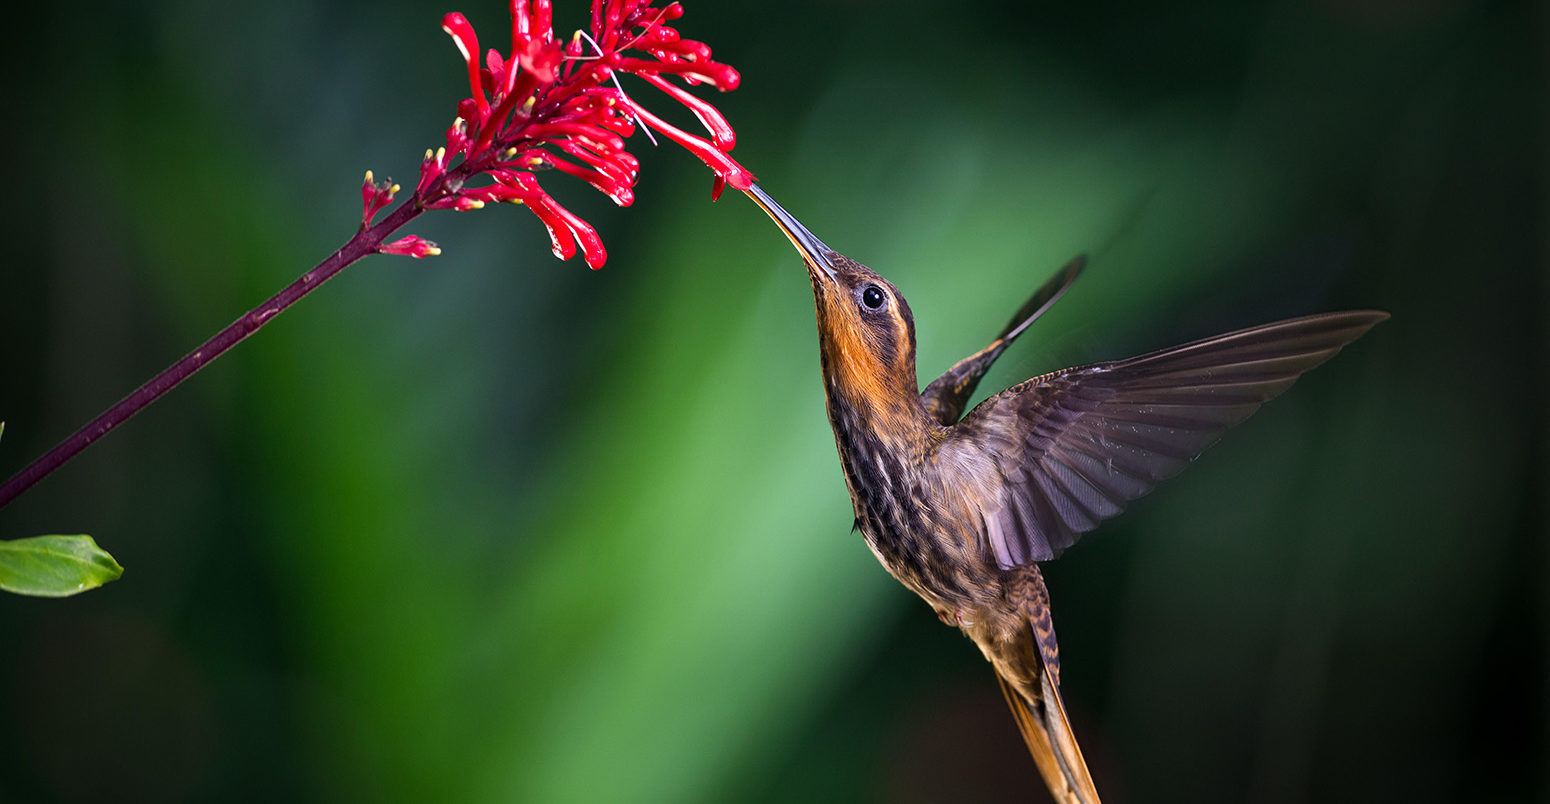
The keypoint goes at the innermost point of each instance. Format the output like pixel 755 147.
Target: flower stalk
pixel 364 243
pixel 547 105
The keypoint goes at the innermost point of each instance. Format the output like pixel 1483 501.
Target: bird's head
pixel 866 333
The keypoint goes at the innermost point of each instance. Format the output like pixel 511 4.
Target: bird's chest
pixel 900 512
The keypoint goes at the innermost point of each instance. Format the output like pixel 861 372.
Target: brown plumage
pixel 961 510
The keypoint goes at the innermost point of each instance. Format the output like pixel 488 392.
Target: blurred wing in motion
pixel 947 395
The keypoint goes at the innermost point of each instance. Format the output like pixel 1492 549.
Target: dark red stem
pixel 364 243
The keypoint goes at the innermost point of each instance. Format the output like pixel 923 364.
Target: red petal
pixel 543 20
pixel 736 175
pixel 619 193
pixel 560 241
pixel 713 73
pixel 710 117
pixel 580 232
pixel 462 33
pixel 520 22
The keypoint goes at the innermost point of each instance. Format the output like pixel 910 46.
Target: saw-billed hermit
pixel 962 508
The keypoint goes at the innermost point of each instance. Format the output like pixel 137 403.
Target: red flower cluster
pixel 554 105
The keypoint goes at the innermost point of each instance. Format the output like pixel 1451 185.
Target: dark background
pixel 492 527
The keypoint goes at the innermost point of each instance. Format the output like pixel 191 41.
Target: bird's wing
pixel 947 395
pixel 1072 448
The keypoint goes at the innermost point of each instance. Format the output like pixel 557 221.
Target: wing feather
pixel 1074 447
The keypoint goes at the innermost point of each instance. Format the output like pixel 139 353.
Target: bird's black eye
pixel 872 296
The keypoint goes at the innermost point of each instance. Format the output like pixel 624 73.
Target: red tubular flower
pixel 548 104
pixel 554 104
pixel 413 246
pixel 374 196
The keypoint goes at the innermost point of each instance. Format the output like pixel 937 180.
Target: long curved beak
pixel 813 250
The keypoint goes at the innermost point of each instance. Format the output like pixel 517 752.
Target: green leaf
pixel 55 566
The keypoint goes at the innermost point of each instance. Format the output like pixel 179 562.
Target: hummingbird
pixel 961 509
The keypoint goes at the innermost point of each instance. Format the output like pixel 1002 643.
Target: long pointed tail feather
pixel 1048 735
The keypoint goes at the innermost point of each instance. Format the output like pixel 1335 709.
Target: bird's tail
pixel 1048 734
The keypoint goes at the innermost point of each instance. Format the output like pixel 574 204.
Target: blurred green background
pixel 495 528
